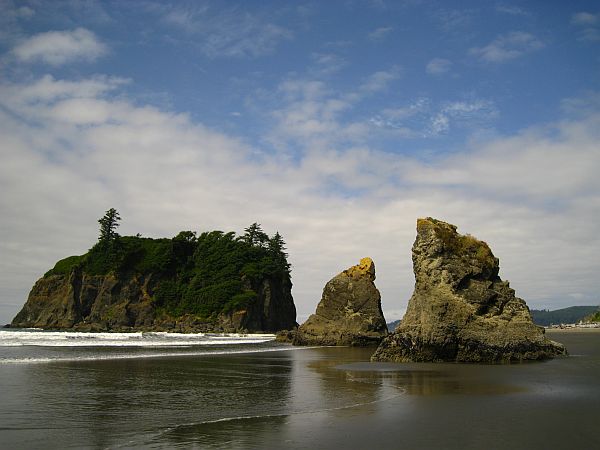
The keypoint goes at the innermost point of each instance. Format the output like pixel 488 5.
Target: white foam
pixel 138 339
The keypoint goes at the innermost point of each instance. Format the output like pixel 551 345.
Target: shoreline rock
pixel 461 310
pixel 349 312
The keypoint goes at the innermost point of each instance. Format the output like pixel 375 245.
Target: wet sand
pixel 319 398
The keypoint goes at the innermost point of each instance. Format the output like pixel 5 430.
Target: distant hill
pixel 392 325
pixel 572 314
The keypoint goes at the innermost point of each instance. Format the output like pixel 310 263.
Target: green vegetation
pixel 593 318
pixel 572 314
pixel 64 266
pixel 191 274
pixel 459 244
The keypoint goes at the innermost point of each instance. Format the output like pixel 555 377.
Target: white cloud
pixel 423 118
pixel 227 32
pixel 589 26
pixel 465 113
pixel 379 34
pixel 453 20
pixel 380 80
pixel 585 18
pixel 511 10
pixel 310 115
pixel 60 47
pixel 327 63
pixel 534 196
pixel 24 12
pixel 507 47
pixel 438 66
pixel 48 89
pixel 565 158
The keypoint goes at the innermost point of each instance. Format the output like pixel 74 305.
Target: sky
pixel 336 123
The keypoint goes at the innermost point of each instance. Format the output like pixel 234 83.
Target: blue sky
pixel 337 123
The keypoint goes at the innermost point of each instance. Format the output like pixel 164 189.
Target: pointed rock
pixel 349 312
pixel 460 309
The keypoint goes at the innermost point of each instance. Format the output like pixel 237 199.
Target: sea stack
pixel 349 312
pixel 460 309
pixel 213 282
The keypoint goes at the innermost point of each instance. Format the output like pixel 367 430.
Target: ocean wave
pixel 137 339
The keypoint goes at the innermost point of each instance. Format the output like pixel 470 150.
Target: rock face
pixel 460 309
pixel 349 312
pixel 80 301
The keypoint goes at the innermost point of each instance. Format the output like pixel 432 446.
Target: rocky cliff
pixel 349 312
pixel 80 301
pixel 460 309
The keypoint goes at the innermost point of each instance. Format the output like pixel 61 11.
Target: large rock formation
pixel 349 312
pixel 80 301
pixel 460 309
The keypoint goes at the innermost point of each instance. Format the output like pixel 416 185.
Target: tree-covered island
pixel 212 281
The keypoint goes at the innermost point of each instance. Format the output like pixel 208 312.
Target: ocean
pixel 159 390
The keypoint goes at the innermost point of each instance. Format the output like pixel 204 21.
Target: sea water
pixel 80 390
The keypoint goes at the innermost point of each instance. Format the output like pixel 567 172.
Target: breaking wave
pixel 140 339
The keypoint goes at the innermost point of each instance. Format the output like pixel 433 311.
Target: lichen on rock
pixel 460 309
pixel 349 312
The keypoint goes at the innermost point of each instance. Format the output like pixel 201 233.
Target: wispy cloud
pixel 23 12
pixel 424 119
pixel 380 34
pixel 585 18
pixel 438 66
pixel 511 10
pixel 47 91
pixel 227 32
pixel 406 121
pixel 453 20
pixel 588 26
pixel 311 114
pixel 380 80
pixel 60 47
pixel 327 63
pixel 508 46
pixel 462 113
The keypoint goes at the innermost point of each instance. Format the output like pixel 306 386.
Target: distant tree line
pixel 572 314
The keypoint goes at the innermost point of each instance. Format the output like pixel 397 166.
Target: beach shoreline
pixel 573 329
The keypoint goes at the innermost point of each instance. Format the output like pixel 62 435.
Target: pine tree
pixel 108 225
pixel 278 252
pixel 255 235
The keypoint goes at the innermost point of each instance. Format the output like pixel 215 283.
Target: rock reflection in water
pixel 435 379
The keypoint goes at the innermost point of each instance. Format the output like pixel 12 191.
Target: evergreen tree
pixel 255 235
pixel 278 252
pixel 108 225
